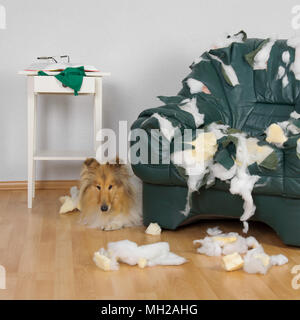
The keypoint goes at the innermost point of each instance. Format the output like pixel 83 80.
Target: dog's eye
pixel 98 187
pixel 109 187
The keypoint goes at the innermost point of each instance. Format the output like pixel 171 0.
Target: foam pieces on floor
pixel 70 203
pixel 231 245
pixel 130 253
pixel 153 229
pixel 232 262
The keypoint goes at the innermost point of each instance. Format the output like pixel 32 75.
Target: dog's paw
pixel 113 226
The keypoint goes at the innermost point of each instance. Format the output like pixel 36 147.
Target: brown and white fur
pixel 109 196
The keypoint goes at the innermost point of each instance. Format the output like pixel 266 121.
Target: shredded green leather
pixel 259 99
pixel 70 77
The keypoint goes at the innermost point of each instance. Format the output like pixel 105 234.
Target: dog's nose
pixel 104 207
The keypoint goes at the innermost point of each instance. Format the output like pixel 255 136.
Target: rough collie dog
pixel 110 195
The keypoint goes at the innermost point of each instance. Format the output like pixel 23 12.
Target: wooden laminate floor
pixel 48 256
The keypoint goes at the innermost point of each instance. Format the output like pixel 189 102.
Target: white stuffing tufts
pixel 243 183
pixel 129 252
pixel 252 242
pixel 196 162
pixel 226 40
pixel 257 153
pixel 246 226
pixel 262 56
pixel 287 126
pixel 285 81
pixel 191 107
pixel 257 261
pixel 228 70
pixel 166 126
pixel 281 72
pixel 286 57
pixel 219 130
pixel 197 86
pixel 209 247
pixel 227 244
pixel 295 66
pixel 295 115
pixel 213 231
pixel 279 260
pixel 218 171
pixel 239 246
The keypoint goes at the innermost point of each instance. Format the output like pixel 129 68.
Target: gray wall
pixel 147 45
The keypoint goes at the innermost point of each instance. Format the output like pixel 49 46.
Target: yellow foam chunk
pixel 102 261
pixel 257 153
pixel 67 205
pixel 232 262
pixel 205 146
pixel 142 263
pixel 264 258
pixel 225 240
pixel 275 134
pixel 153 229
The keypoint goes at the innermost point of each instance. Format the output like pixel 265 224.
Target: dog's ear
pixel 118 161
pixel 116 164
pixel 91 163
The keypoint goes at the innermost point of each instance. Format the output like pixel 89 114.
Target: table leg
pixel 97 110
pixel 31 102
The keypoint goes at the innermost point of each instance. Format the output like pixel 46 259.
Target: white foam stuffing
pixel 239 246
pixel 245 226
pixel 227 40
pixel 191 107
pixel 209 247
pixel 252 242
pixel 213 231
pixel 130 253
pixel 228 70
pixel 285 81
pixel 261 58
pixel 255 260
pixel 166 126
pixel 243 183
pixel 218 171
pixel 281 72
pixel 295 66
pixel 286 57
pixel 295 115
pixel 218 129
pixel 279 260
pixel 70 203
pixel 195 85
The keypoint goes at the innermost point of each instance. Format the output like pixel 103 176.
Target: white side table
pixel 92 84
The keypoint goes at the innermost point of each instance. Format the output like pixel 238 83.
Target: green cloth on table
pixel 70 77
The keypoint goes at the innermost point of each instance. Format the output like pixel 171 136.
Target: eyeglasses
pixel 54 58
